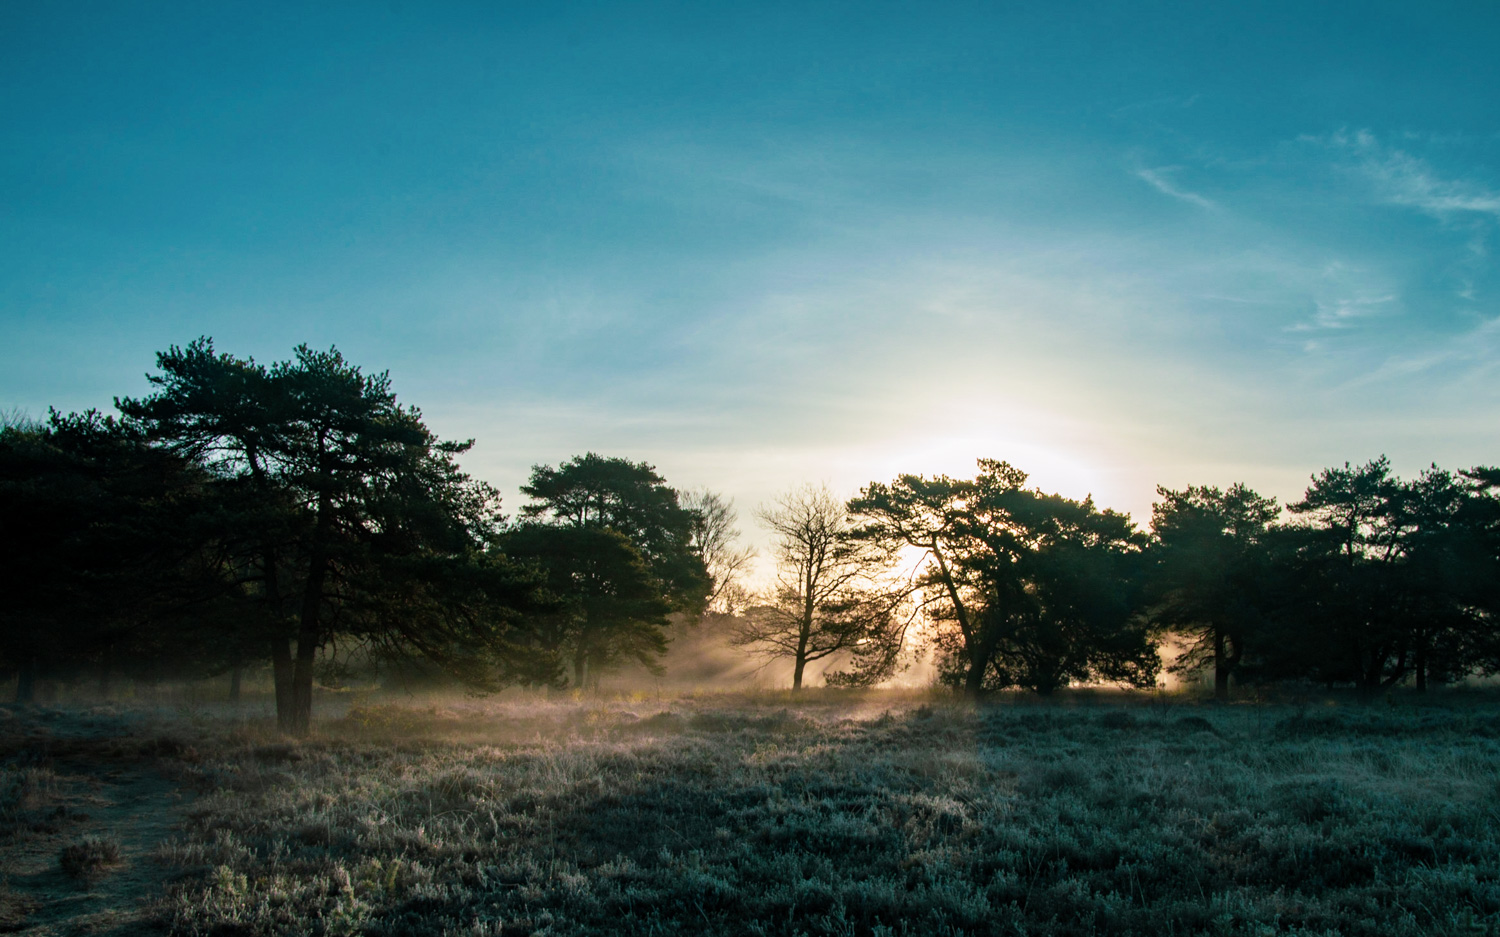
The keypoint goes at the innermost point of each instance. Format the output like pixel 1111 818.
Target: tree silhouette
pixel 1210 573
pixel 1027 589
pixel 714 538
pixel 1077 577
pixel 344 508
pixel 1390 578
pixel 931 515
pixel 99 573
pixel 1350 620
pixel 619 548
pixel 829 597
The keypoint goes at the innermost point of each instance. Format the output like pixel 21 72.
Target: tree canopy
pixel 94 521
pixel 340 514
pixel 1025 589
pixel 1211 582
pixel 619 549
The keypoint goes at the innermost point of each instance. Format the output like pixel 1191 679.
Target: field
pixel 827 813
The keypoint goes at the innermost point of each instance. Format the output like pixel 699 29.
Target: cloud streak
pixel 1344 312
pixel 1158 181
pixel 1403 179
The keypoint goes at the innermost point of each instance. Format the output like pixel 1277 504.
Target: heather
pixel 834 813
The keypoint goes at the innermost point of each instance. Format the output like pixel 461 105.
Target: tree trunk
pixel 804 634
pixel 309 634
pixel 308 639
pixel 982 647
pixel 307 649
pixel 1221 668
pixel 1369 676
pixel 302 682
pixel 974 679
pixel 234 683
pixel 26 682
pixel 983 651
pixel 979 658
pixel 580 667
pixel 281 647
pixel 1420 666
pixel 281 671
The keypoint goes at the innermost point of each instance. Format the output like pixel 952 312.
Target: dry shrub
pixel 90 857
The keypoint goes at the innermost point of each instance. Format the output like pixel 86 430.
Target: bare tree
pixel 829 596
pixel 715 536
pixel 19 420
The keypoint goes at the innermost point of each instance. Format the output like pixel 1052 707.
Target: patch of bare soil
pixel 79 857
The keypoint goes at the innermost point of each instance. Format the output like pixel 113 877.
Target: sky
pixel 1118 245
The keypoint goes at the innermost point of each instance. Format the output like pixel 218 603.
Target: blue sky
pixel 1118 245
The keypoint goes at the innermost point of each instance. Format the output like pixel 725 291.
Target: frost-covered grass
pixel 90 856
pixel 824 816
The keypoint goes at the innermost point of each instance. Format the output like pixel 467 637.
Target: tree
pixel 1473 569
pixel 614 610
pixel 339 507
pixel 226 414
pixel 1209 577
pixel 930 515
pixel 1075 616
pixel 1443 559
pixel 1391 579
pixel 829 597
pixel 1026 589
pixel 1365 611
pixel 1349 625
pixel 618 547
pixel 93 518
pixel 714 538
pixel 44 518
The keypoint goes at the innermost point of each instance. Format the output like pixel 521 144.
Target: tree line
pixel 244 514
pixel 1367 581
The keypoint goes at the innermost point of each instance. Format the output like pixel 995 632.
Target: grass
pixel 838 814
pixel 27 789
pixel 90 857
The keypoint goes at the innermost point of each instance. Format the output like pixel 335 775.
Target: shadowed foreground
pixel 724 815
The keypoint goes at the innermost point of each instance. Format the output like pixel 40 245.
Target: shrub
pixel 90 857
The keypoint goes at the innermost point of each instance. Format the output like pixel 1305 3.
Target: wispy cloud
pixel 1159 103
pixel 1347 296
pixel 1157 179
pixel 1403 179
pixel 1469 352
pixel 1343 312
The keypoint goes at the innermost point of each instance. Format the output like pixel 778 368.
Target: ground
pixel 74 778
pixel 825 813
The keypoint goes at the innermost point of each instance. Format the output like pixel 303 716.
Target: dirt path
pixel 127 802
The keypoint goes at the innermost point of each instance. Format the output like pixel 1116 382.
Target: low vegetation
pixel 90 857
pixel 835 813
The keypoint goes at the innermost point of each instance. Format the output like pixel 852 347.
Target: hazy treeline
pixel 1367 580
pixel 241 514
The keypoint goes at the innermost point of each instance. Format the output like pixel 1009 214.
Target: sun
pixel 1048 466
